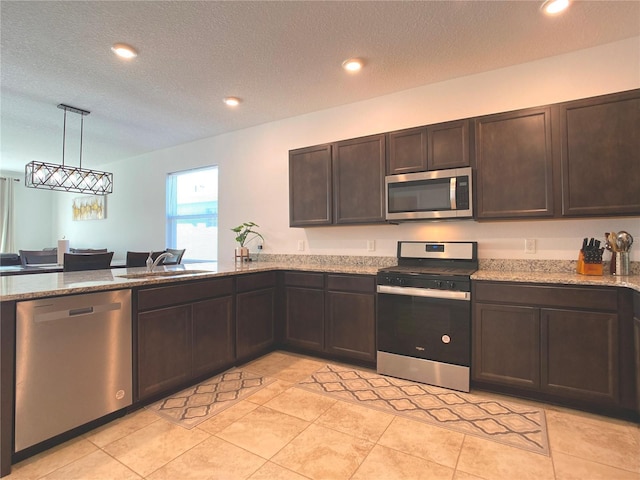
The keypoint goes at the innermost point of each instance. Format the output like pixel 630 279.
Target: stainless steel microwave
pixel 429 195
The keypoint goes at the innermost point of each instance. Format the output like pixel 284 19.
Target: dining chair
pixel 177 256
pixel 74 262
pixel 9 259
pixel 88 250
pixel 37 257
pixel 139 259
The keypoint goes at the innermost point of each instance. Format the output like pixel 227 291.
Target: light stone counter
pixel 559 278
pixel 24 287
pixel 559 272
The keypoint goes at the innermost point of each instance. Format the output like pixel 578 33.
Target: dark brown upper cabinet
pixel 310 186
pixel 514 165
pixel 448 145
pixel 358 176
pixel 433 147
pixel 600 155
pixel 407 151
pixel 337 183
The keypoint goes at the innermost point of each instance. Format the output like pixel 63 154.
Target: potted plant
pixel 243 232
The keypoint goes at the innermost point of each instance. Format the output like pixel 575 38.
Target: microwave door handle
pixel 452 192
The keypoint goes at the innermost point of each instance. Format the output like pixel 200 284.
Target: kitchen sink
pixel 163 273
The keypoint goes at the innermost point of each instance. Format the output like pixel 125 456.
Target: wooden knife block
pixel 588 268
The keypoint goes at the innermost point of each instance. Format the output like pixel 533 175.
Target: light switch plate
pixel 300 245
pixel 371 245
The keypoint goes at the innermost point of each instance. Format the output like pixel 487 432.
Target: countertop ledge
pixel 25 287
pixel 630 281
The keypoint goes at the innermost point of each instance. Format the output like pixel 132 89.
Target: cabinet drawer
pixel 546 296
pixel 303 279
pixel 255 281
pixel 351 283
pixel 183 293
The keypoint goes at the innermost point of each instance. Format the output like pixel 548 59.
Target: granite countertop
pixel 559 278
pixel 38 285
pixel 24 287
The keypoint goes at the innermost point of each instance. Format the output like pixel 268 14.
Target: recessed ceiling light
pixel 123 50
pixel 352 65
pixel 553 7
pixel 232 101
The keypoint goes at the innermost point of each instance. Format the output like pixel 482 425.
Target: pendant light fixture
pixel 68 179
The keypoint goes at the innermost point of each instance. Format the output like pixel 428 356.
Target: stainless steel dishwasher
pixel 73 362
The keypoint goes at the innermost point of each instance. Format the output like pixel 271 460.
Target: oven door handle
pixel 424 292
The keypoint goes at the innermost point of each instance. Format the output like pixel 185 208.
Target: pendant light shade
pixel 68 179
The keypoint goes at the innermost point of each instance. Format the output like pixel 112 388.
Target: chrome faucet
pixel 151 264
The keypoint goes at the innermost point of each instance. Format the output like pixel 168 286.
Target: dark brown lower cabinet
pixel 579 352
pixel 304 310
pixel 636 345
pixel 506 345
pixel 213 339
pixel 350 325
pixel 331 313
pixel 182 334
pixel 255 314
pixel 559 343
pixel 164 349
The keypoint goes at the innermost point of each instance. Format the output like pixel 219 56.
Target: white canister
pixel 63 247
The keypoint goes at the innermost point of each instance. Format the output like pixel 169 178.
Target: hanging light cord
pixel 64 134
pixel 81 132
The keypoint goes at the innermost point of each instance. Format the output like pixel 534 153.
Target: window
pixel 192 213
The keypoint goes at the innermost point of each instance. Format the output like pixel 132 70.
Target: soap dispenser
pixel 149 262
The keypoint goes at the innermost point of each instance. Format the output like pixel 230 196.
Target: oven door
pixel 421 323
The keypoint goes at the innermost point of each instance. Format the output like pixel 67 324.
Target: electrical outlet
pixel 530 245
pixel 300 245
pixel 371 245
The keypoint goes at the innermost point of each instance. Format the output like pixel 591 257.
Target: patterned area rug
pixel 194 405
pixel 512 424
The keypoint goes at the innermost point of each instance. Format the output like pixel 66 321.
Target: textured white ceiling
pixel 282 58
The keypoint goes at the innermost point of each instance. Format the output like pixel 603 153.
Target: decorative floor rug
pixel 512 424
pixel 194 405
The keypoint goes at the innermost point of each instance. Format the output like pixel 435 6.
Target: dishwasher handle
pixel 63 313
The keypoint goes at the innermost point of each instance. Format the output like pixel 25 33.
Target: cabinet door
pixel 514 165
pixel 600 145
pixel 304 318
pixel 164 349
pixel 407 151
pixel 506 345
pixel 310 186
pixel 350 321
pixel 358 176
pixel 213 335
pixel 255 314
pixel 580 355
pixel 636 344
pixel 448 145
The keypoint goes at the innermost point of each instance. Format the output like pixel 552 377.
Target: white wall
pixel 34 215
pixel 253 167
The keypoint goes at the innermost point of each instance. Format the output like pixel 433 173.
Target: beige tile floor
pixel 284 433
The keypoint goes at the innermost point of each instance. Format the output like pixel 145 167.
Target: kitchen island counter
pixel 25 287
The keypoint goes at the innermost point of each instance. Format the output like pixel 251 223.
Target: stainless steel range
pixel 424 313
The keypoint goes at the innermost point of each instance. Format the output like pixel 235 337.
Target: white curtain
pixel 6 215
